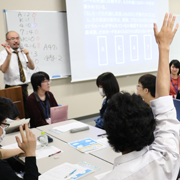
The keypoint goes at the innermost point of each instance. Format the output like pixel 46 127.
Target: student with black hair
pixel 150 147
pixel 108 86
pixel 14 113
pixel 27 147
pixel 40 101
pixel 146 87
pixel 148 81
pixel 174 67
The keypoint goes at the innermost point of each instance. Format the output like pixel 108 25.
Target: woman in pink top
pixel 174 67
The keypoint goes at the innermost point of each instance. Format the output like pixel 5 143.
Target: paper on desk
pixel 99 176
pixel 14 146
pixel 46 151
pixel 70 126
pixel 40 153
pixel 103 141
pixel 61 171
pixel 87 145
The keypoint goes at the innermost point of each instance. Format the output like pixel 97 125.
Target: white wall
pixel 82 97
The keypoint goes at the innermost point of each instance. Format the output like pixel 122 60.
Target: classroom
pixel 82 97
pixel 65 91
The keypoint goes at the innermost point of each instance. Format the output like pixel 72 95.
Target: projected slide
pixel 118 31
pixel 113 35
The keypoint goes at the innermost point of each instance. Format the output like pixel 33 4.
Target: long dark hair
pixel 176 63
pixel 109 83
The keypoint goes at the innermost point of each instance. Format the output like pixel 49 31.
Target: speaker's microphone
pixel 25 57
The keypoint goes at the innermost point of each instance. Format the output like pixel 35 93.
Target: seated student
pixel 40 101
pixel 174 67
pixel 150 148
pixel 27 147
pixel 108 86
pixel 13 115
pixel 146 87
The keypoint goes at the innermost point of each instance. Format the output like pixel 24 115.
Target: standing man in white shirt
pixel 150 147
pixel 14 63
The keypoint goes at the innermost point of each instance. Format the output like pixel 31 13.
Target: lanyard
pixel 176 89
pixel 46 110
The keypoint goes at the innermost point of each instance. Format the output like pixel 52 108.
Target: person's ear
pixel 39 87
pixel 146 90
pixel 7 41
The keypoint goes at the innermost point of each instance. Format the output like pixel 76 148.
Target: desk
pixel 69 154
pixel 69 137
pixel 106 154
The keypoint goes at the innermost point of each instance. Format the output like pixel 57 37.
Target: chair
pixel 177 106
pixel 15 94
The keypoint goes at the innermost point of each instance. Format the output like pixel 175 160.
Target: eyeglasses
pixel 6 125
pixel 138 85
pixel 13 39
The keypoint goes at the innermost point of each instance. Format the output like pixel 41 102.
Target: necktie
pixel 21 71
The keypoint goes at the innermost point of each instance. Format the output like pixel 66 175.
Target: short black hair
pixel 109 83
pixel 37 78
pixel 5 109
pixel 129 123
pixel 148 81
pixel 176 63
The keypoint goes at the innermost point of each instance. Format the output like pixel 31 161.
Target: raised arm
pixel 28 145
pixel 164 39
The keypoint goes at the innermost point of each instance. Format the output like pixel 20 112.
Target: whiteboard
pixel 44 34
pixel 175 46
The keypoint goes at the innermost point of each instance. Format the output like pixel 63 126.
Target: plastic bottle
pixel 43 139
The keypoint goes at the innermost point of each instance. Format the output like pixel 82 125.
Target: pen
pixel 70 173
pixel 54 153
pixel 4 45
pixel 101 135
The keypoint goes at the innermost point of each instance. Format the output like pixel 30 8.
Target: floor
pixel 88 119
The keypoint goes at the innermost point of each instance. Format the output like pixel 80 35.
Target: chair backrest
pixel 59 113
pixel 15 94
pixel 177 106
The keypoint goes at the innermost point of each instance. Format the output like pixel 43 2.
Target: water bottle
pixel 43 139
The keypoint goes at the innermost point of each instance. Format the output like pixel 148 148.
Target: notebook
pixel 14 124
pixel 177 106
pixel 59 113
pixel 67 171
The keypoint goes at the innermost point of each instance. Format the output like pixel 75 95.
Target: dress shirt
pixel 160 160
pixel 12 76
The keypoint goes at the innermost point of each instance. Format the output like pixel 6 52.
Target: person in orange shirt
pixel 174 67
